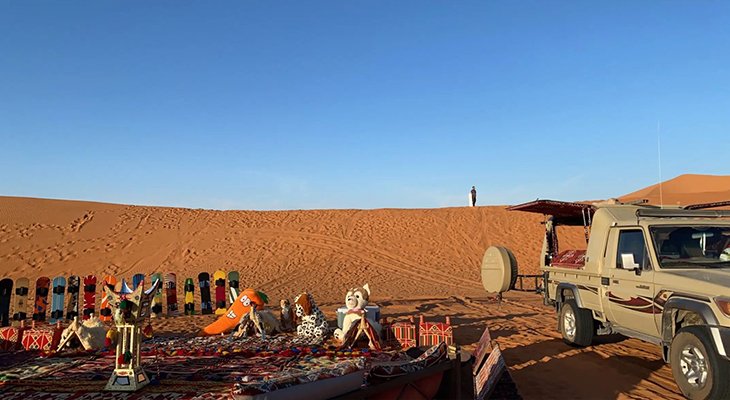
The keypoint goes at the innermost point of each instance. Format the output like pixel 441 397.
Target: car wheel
pixel 698 370
pixel 576 324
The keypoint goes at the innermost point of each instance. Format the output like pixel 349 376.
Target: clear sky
pixel 358 104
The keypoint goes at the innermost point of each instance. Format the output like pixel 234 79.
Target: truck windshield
pixel 692 246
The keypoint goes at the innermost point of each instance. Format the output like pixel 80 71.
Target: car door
pixel 630 293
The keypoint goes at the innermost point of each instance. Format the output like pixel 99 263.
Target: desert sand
pixel 417 261
pixel 685 190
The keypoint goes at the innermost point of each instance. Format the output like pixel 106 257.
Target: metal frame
pixel 680 213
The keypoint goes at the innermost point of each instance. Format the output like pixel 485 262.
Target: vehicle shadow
pixel 556 370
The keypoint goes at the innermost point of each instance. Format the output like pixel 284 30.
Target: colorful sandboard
pixel 204 282
pixel 21 299
pixel 6 293
pixel 232 284
pixel 136 280
pixel 72 303
pixel 89 296
pixel 157 300
pixel 171 294
pixel 219 278
pixel 105 311
pixel 189 296
pixel 59 292
pixel 42 286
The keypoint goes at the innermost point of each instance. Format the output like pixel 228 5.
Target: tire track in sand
pixel 361 251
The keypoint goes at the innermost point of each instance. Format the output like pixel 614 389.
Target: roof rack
pixel 680 213
pixel 637 202
pixel 703 206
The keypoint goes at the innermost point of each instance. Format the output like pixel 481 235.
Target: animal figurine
pixel 90 334
pixel 287 316
pixel 356 300
pixel 361 327
pixel 262 323
pixel 312 325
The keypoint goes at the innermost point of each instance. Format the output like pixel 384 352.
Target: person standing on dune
pixel 473 196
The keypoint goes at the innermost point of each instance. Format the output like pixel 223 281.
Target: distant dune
pixel 685 190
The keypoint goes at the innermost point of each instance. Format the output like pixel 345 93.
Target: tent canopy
pixel 563 212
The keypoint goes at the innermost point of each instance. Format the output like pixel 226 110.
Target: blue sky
pixel 353 104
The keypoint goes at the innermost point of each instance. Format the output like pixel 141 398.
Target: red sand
pixel 416 261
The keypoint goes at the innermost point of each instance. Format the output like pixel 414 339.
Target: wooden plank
pixel 486 380
pixel 484 346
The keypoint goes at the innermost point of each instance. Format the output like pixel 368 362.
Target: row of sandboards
pixel 79 295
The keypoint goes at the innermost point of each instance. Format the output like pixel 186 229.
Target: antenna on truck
pixel 659 154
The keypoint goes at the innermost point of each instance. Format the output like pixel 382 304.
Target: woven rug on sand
pixel 179 368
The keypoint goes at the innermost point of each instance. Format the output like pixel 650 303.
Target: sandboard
pixel 72 303
pixel 204 282
pixel 89 296
pixel 105 311
pixel 136 280
pixel 6 293
pixel 21 299
pixel 42 286
pixel 157 300
pixel 59 293
pixel 232 284
pixel 171 294
pixel 219 278
pixel 189 296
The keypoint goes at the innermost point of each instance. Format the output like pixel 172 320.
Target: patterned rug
pixel 188 368
pixel 179 368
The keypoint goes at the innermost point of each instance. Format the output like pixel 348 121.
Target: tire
pixel 499 270
pixel 699 371
pixel 576 324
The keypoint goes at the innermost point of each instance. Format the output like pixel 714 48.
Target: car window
pixel 632 248
pixel 685 246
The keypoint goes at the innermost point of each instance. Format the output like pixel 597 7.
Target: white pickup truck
pixel 657 274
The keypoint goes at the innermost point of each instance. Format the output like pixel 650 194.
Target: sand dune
pixel 401 253
pixel 416 261
pixel 685 190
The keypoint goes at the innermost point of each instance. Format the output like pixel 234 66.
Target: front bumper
pixel 721 337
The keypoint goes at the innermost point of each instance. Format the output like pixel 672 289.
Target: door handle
pixel 642 287
pixel 615 281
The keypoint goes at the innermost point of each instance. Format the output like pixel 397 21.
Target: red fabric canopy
pixel 563 212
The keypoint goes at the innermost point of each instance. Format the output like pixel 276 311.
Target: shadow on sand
pixel 586 373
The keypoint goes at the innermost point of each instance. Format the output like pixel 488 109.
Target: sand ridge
pixel 401 253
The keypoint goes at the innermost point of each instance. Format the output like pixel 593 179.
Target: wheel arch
pixel 564 287
pixel 681 306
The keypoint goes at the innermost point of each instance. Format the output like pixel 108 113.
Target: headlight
pixel 723 303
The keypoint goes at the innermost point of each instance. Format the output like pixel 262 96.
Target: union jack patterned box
pixel 401 334
pixel 433 333
pixel 10 338
pixel 43 339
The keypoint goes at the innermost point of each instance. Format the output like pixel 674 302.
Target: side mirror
pixel 628 263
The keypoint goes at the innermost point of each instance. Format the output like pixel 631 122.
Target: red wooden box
pixel 401 334
pixel 10 338
pixel 433 333
pixel 43 339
